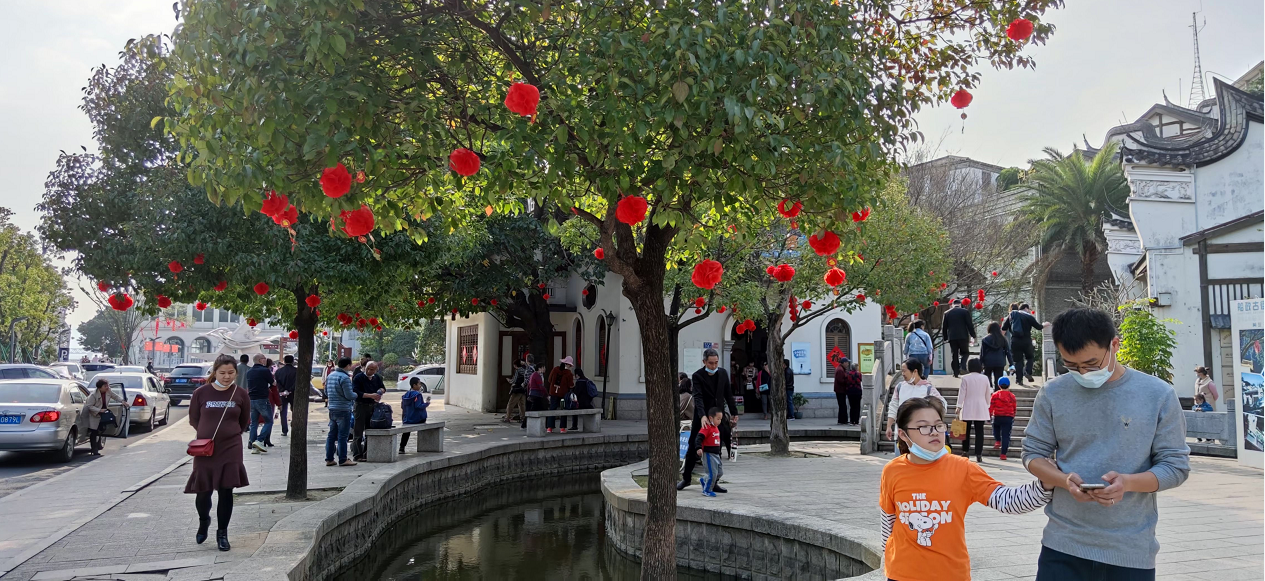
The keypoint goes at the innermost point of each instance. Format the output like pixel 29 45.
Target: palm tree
pixel 1068 199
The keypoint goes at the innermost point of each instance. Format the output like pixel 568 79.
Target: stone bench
pixel 384 445
pixel 1210 426
pixel 590 421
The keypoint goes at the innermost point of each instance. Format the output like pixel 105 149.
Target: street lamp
pixel 606 347
pixel 13 340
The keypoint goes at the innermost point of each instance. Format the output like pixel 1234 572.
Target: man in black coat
pixel 958 329
pixel 286 378
pixel 1020 325
pixel 711 389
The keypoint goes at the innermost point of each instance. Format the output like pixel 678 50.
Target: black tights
pixel 223 511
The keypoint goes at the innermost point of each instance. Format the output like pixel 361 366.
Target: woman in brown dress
pixel 218 410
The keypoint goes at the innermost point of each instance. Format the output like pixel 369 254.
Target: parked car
pixel 91 369
pixel 27 370
pixel 185 378
pixel 43 415
pixel 71 369
pixel 317 392
pixel 432 377
pixel 129 369
pixel 151 406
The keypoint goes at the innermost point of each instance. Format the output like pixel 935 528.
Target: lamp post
pixel 13 340
pixel 606 346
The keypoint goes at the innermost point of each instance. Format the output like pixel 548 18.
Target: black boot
pixel 682 484
pixel 221 539
pixel 717 488
pixel 203 525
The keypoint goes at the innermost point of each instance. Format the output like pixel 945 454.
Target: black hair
pixel 245 358
pixel 681 375
pixel 994 329
pixel 221 361
pixel 516 363
pixel 1201 369
pixel 414 381
pixel 786 362
pixel 1200 397
pixel 1024 307
pixel 713 411
pixel 914 365
pixel 907 409
pixel 1014 306
pixel 268 362
pixel 917 324
pixel 101 382
pixel 975 365
pixel 343 362
pixel 288 359
pixel 1074 329
pixel 579 373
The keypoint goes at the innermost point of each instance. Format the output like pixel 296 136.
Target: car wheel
pixel 166 416
pixel 67 451
pixel 149 427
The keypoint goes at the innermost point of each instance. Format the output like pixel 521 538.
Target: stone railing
pixel 758 544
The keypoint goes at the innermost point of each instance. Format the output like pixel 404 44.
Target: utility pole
pixel 13 338
pixel 1197 83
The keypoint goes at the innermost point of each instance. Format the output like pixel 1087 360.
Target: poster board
pixel 692 359
pixel 865 357
pixel 1247 332
pixel 800 364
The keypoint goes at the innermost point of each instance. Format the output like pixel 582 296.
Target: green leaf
pixel 680 91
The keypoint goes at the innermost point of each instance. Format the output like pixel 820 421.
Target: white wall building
pixel 479 350
pixel 1193 239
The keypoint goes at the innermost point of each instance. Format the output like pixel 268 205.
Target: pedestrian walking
pixel 928 491
pixel 341 400
pixel 750 387
pixel 911 386
pixel 369 391
pixel 763 380
pixel 243 368
pixel 708 450
pixel 789 378
pixel 517 405
pixel 958 330
pixel 1020 324
pixel 259 386
pixel 537 395
pixel 413 407
pixel 994 354
pixel 918 345
pixel 972 406
pixel 220 406
pixel 97 408
pixel 847 380
pixel 287 378
pixel 149 368
pixel 711 390
pixel 1119 437
pixel 685 395
pixel 1002 408
pixel 561 380
pixel 1204 386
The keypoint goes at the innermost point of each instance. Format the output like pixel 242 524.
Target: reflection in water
pixel 550 529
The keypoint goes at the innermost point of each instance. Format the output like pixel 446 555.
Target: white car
pixel 151 406
pixel 72 370
pixel 432 377
pixel 91 369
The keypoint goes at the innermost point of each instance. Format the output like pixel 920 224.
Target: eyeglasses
pixel 1090 368
pixel 929 430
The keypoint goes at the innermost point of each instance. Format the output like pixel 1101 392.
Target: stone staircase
pixel 1024 398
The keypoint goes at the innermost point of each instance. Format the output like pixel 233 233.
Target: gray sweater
pixel 1130 425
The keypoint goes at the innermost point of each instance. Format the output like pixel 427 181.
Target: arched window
pixel 175 353
pixel 601 347
pixel 200 345
pixel 838 344
pixel 578 340
pixel 590 298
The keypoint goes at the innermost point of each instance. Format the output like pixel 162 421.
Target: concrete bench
pixel 1210 426
pixel 590 421
pixel 384 445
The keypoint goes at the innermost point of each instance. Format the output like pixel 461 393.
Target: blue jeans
pixel 260 409
pixel 1055 566
pixel 339 427
pixel 790 404
pixel 925 358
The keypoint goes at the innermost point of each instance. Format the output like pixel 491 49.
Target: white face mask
pixel 1094 379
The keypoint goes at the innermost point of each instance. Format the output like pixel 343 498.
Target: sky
pixel 1106 63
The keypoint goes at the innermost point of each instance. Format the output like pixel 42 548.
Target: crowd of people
pixel 565 388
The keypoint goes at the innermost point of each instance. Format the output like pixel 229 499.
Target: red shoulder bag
pixel 206 446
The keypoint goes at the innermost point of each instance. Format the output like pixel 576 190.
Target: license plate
pixel 6 419
pixel 179 380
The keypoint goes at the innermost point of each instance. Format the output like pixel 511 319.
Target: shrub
pixel 1146 344
pixel 390 359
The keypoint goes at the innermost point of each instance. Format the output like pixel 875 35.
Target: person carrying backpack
pixel 582 393
pixel 413 407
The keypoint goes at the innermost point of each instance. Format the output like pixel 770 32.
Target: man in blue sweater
pixel 341 399
pixel 258 384
pixel 1119 438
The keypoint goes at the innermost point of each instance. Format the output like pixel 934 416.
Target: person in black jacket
pixel 711 390
pixel 258 384
pixel 994 355
pixel 286 378
pixel 1020 325
pixel 958 329
pixel 369 389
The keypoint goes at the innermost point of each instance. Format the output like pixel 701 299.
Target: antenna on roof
pixel 1197 83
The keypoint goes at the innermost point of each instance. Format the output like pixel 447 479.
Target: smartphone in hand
pixel 1092 486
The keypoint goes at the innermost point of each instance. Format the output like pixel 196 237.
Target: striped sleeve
pixel 1020 499
pixel 889 520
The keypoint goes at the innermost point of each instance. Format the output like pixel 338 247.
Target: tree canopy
pixel 33 297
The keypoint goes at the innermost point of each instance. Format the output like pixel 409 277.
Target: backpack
pixel 593 389
pixel 381 418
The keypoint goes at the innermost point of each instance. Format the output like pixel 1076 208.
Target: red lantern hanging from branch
pixel 335 181
pixel 261 288
pixel 523 99
pixel 961 99
pixel 861 215
pixel 464 162
pixel 790 210
pixel 223 284
pixel 835 277
pixel 274 203
pixel 103 286
pixel 631 210
pixel 860 297
pixel 599 254
pixel 1019 30
pixel 175 267
pixel 707 274
pixel 825 245
pixel 163 302
pixel 121 302
pixel 700 301
pixel 357 222
pixel 313 301
pixel 294 334
pixel 201 306
pixel 252 322
pixel 199 259
pixel 783 272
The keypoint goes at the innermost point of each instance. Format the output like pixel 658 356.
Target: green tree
pixel 111 332
pixel 703 110
pixel 1068 199
pixel 430 343
pixel 33 296
pixel 1008 178
pixel 1146 342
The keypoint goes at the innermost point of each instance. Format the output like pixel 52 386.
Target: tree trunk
pixel 305 324
pixel 1088 259
pixel 658 558
pixel 533 313
pixel 779 437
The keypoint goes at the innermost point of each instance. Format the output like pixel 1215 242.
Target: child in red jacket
pixel 1002 408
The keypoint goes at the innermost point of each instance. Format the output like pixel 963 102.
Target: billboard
pixel 1248 333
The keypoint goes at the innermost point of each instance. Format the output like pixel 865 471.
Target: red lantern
pixel 861 216
pixel 201 306
pixel 464 162
pixel 175 267
pixel 700 301
pixel 835 277
pixel 545 296
pixel 979 306
pixel 698 311
pixel 252 322
pixel 324 333
pixel 274 203
pixel 430 300
pixel 707 274
pixel 373 321
pixel 585 292
pixel 1019 30
pixel 219 288
pixel 943 285
pixel 808 305
pixel 783 272
pixel 966 303
pixel 749 324
pixel 935 303
pixel 961 99
pixel 294 334
pixel 980 294
pixel 994 273
pixel 357 222
pixel 860 297
pixel 103 286
pixel 261 288
pixel 522 99
pixel 790 211
pixel 631 210
pixel 287 218
pixel 492 302
pixel 599 254
pixel 199 259
pixel 313 301
pixel 335 181
pixel 163 302
pixel 721 309
pixel 769 269
pixel 474 301
pixel 826 245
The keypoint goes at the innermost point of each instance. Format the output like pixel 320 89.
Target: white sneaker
pixel 259 447
pixel 253 450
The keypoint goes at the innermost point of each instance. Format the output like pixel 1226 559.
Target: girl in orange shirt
pixel 924 496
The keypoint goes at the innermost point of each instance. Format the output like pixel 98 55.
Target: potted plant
pixel 800 401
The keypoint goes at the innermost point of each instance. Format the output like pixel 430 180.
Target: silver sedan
pixel 43 415
pixel 151 406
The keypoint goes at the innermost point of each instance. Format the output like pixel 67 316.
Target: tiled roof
pixel 1236 109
